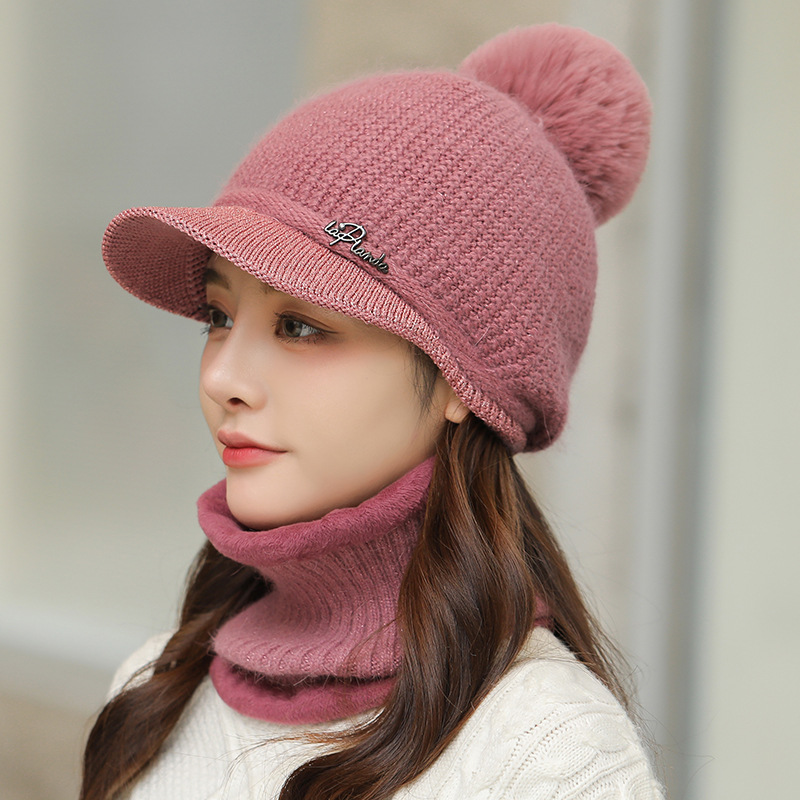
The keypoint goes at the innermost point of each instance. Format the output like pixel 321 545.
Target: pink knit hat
pixel 456 210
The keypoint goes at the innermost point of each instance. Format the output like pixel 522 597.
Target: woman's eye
pixel 294 329
pixel 218 319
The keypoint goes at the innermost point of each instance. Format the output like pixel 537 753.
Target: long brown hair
pixel 467 604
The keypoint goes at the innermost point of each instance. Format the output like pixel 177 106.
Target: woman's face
pixel 333 396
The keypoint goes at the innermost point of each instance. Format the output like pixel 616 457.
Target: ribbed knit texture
pixel 479 189
pixel 323 643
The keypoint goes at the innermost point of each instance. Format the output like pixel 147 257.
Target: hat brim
pixel 160 254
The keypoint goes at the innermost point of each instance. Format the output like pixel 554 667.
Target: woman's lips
pixel 241 451
pixel 248 456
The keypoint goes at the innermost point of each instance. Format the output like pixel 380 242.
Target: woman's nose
pixel 230 372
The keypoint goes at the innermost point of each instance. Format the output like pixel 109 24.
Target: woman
pixel 397 284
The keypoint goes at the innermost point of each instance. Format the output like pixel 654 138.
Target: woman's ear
pixel 455 410
pixel 450 403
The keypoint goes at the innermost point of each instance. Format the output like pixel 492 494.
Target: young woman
pixel 397 284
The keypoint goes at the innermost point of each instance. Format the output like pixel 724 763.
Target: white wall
pixel 748 693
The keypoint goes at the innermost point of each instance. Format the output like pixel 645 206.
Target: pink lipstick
pixel 240 451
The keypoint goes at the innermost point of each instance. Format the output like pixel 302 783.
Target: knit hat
pixel 454 209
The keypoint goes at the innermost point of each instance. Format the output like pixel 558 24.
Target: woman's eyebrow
pixel 211 276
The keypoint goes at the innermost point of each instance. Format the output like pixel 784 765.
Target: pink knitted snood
pixel 323 643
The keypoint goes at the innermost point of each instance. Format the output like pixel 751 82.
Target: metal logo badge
pixel 353 234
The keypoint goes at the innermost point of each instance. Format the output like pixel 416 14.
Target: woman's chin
pixel 260 508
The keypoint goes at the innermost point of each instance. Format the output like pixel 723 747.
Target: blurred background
pixel 674 486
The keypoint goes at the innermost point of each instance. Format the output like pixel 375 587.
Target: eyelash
pixel 316 335
pixel 280 317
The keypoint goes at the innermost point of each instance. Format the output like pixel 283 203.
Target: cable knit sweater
pixel 549 729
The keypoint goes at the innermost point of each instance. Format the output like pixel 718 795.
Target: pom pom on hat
pixel 589 99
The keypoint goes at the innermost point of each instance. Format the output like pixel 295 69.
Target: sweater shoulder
pixel 135 667
pixel 548 729
pixel 548 667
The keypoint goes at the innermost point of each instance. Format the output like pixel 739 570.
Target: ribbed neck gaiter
pixel 323 643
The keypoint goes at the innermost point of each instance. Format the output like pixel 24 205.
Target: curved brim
pixel 160 255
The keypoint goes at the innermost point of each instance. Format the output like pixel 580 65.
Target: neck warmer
pixel 322 644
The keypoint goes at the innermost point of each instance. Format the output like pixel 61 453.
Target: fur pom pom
pixel 588 97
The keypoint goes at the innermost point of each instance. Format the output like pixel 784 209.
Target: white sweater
pixel 549 729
